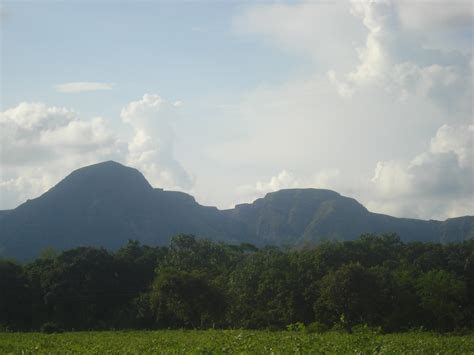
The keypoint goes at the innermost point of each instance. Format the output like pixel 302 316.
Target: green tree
pixel 442 295
pixel 184 299
pixel 266 292
pixel 350 295
pixel 15 296
pixel 135 270
pixel 80 289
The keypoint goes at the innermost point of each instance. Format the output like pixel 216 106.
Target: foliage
pixel 296 327
pixel 316 327
pixel 232 342
pixel 50 327
pixel 365 329
pixel 15 296
pixel 442 294
pixel 350 295
pixel 183 299
pixel 377 281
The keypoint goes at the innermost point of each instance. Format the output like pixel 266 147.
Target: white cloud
pixel 383 78
pixel 152 148
pixel 392 61
pixel 323 30
pixel 443 24
pixel 377 102
pixel 34 116
pixel 423 15
pixel 75 87
pixel 438 183
pixel 325 179
pixel 32 132
pixel 39 145
pixel 305 126
pixel 283 180
pixel 456 139
pixel 16 190
pixel 374 57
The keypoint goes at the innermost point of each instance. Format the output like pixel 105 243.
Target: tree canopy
pixel 195 283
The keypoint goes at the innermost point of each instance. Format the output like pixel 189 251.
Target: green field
pixel 233 341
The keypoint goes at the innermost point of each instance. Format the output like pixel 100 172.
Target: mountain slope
pixel 299 216
pixel 106 204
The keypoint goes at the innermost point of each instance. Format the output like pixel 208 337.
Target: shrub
pixel 50 327
pixel 339 328
pixel 365 329
pixel 296 327
pixel 316 327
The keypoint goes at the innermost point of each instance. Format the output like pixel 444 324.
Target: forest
pixel 373 281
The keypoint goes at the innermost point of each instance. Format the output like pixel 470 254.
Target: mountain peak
pixel 108 203
pixel 309 191
pixel 103 177
pixel 108 164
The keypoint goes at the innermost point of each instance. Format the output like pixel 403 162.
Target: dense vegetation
pixel 233 342
pixel 377 281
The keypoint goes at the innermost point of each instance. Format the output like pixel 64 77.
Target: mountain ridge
pixel 106 204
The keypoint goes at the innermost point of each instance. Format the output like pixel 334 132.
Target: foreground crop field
pixel 232 341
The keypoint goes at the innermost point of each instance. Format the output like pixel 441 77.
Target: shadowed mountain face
pixel 306 216
pixel 106 204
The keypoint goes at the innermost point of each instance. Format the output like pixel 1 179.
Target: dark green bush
pixel 366 329
pixel 50 327
pixel 296 327
pixel 316 327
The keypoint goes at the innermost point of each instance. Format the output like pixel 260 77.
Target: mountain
pixel 300 216
pixel 107 203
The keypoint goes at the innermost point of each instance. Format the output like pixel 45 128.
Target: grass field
pixel 233 341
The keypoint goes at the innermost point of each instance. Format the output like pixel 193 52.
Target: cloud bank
pixel 40 145
pixel 437 183
pixel 388 103
pixel 378 106
pixel 152 148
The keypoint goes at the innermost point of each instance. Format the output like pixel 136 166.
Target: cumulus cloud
pixel 283 180
pixel 456 139
pixel 424 15
pixel 75 87
pixel 151 149
pixel 325 179
pixel 376 102
pixel 393 61
pixel 323 31
pixel 18 189
pixel 436 183
pixel 32 132
pixel 382 84
pixel 41 144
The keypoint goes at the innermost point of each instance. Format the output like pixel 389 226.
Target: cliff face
pixel 106 204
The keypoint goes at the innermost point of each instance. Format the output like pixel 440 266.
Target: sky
pixel 228 101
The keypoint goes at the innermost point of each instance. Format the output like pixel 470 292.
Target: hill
pixel 107 203
pixel 300 216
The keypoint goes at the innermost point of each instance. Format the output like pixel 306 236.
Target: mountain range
pixel 107 204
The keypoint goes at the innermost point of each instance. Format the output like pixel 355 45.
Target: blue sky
pixel 230 100
pixel 186 51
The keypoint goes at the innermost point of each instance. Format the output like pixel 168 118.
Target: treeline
pixel 377 281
